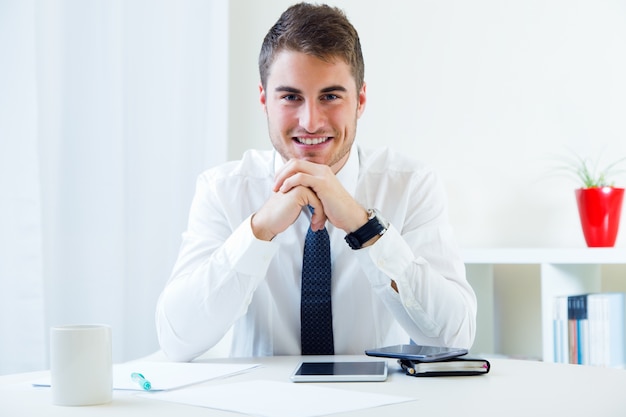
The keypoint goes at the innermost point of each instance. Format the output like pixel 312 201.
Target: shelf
pixel 545 256
pixel 562 271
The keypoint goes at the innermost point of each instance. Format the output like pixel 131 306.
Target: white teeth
pixel 312 141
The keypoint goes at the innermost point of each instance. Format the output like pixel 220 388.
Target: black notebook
pixel 458 366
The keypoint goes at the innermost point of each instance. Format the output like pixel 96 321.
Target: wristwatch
pixel 376 225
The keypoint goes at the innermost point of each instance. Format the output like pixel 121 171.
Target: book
pixel 458 366
pixel 606 329
pixel 578 329
pixel 560 329
pixel 589 329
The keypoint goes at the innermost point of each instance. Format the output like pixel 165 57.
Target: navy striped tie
pixel 315 304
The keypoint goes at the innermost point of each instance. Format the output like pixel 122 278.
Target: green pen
pixel 141 380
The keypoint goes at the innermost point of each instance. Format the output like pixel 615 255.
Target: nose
pixel 311 116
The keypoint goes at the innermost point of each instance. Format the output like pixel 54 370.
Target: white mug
pixel 81 364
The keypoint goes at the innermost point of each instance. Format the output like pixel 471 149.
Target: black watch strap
pixel 375 225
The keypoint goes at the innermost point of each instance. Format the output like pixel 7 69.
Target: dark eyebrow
pixel 334 88
pixel 286 89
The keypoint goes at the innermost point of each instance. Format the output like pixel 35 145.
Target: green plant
pixel 588 173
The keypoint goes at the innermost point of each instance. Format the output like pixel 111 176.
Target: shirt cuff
pixel 391 254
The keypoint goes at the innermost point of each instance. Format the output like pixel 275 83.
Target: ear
pixel 262 97
pixel 362 99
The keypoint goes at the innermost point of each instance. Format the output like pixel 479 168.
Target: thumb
pixel 318 217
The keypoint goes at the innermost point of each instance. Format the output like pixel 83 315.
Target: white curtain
pixel 109 109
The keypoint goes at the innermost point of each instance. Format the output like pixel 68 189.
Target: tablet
pixel 340 371
pixel 419 353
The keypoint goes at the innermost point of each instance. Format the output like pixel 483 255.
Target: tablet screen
pixel 340 371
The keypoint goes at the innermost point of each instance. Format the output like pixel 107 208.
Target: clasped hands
pixel 300 183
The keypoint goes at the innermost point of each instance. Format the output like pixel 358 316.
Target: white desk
pixel 512 388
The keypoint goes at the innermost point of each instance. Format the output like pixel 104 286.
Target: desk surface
pixel 512 388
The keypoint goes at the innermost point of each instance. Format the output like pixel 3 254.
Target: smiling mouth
pixel 312 141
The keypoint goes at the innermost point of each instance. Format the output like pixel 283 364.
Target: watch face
pixel 381 220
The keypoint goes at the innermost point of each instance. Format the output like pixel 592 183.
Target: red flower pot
pixel 600 209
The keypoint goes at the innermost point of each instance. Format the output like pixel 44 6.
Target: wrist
pixel 368 233
pixel 358 221
pixel 259 232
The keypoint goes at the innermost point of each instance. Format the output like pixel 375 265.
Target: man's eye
pixel 330 97
pixel 290 97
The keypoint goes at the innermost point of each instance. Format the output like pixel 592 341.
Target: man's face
pixel 312 107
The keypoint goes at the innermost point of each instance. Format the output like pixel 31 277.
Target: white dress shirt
pixel 225 277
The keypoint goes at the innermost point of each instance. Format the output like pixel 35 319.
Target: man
pixel 396 271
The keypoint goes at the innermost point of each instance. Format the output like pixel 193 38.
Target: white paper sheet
pixel 277 399
pixel 167 375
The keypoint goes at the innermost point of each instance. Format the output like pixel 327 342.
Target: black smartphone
pixel 419 353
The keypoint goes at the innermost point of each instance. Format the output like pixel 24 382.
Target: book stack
pixel 589 329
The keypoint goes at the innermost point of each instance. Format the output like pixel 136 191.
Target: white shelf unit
pixel 562 272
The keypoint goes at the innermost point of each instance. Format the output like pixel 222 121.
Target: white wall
pixel 486 90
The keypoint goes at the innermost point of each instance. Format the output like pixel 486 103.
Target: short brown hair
pixel 319 30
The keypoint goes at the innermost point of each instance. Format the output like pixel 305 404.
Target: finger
pixel 296 180
pixel 282 174
pixel 292 168
pixel 311 200
pixel 318 218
